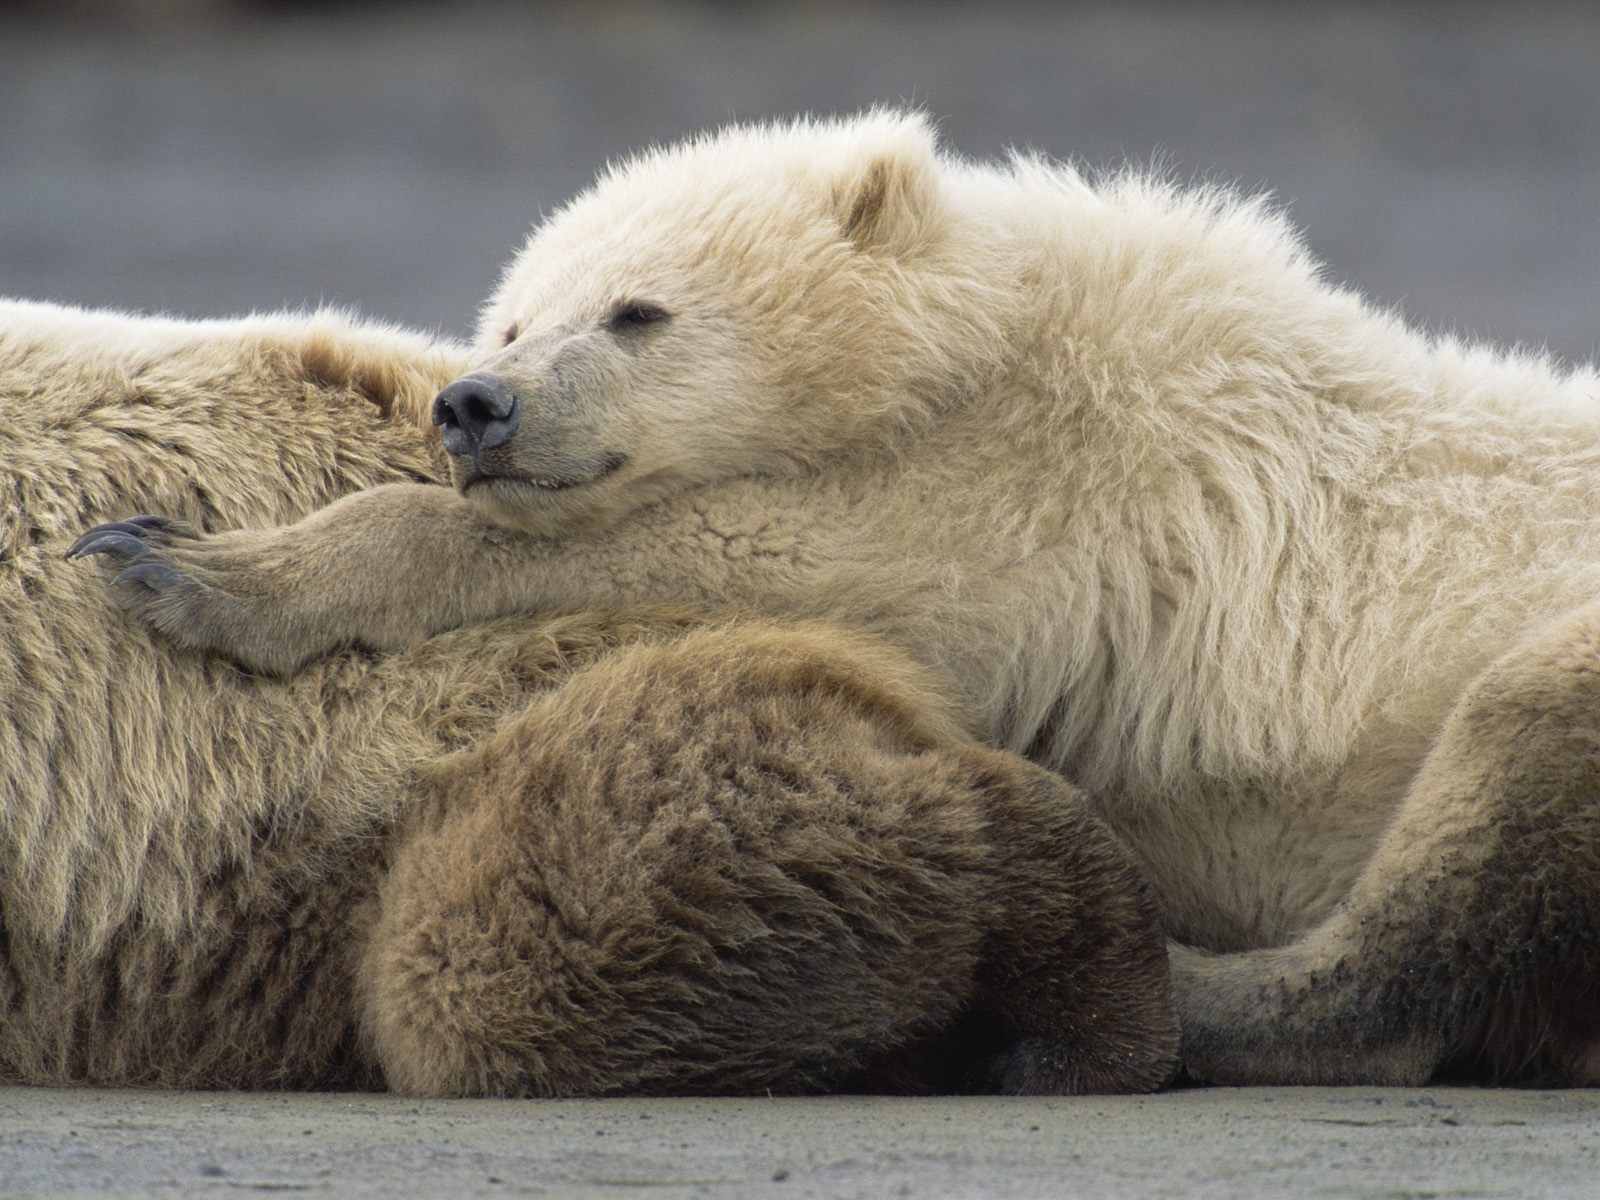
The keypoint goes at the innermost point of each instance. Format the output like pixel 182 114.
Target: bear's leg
pixel 1070 972
pixel 1470 945
pixel 744 862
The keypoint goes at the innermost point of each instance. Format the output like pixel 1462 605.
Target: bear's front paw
pixel 139 564
pixel 198 591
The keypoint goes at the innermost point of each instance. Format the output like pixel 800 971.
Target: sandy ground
pixel 1226 1143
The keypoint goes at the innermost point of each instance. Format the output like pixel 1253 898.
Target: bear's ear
pixel 884 193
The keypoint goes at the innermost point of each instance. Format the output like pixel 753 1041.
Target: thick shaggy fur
pixel 1220 542
pixel 595 854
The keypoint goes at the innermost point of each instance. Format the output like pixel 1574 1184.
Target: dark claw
pixel 106 539
pixel 139 526
pixel 151 574
pixel 87 536
pixel 130 527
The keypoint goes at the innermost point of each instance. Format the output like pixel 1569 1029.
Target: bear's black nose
pixel 475 413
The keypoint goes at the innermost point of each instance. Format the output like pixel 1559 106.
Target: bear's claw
pixel 102 539
pixel 151 574
pixel 138 546
pixel 130 526
pixel 146 521
pixel 169 577
pixel 127 538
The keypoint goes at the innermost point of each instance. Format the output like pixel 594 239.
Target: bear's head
pixel 760 301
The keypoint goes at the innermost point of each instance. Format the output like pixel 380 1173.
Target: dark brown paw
pixel 1051 1066
pixel 1033 1066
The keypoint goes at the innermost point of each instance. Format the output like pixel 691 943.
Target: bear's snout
pixel 477 412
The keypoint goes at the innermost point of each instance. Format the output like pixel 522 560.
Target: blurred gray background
pixel 206 157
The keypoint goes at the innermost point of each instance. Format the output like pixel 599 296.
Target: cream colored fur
pixel 1218 540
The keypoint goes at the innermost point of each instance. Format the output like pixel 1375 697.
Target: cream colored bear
pixel 605 853
pixel 1301 596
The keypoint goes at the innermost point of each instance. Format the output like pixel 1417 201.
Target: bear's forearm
pixel 383 567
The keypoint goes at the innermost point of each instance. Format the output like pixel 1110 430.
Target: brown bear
pixel 617 851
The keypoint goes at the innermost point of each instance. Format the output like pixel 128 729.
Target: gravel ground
pixel 1224 1143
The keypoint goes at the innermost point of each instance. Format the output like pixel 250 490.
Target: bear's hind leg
pixel 749 860
pixel 1074 969
pixel 1470 945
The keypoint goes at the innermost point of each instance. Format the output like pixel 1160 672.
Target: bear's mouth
pixel 474 477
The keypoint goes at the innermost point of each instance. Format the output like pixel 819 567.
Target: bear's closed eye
pixel 634 314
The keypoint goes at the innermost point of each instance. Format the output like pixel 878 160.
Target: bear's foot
pixel 1055 1066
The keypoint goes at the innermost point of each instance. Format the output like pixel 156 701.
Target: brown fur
pixel 616 886
pixel 603 852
